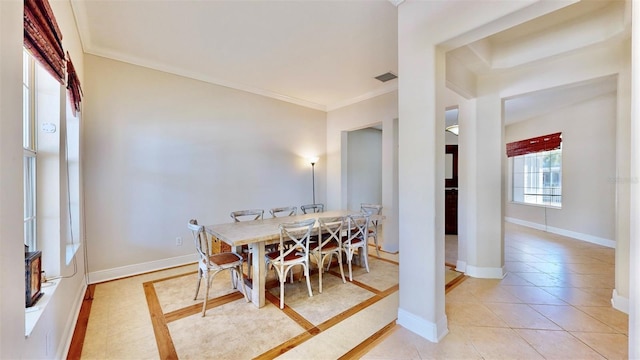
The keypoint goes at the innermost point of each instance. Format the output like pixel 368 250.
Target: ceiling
pixel 325 54
pixel 575 29
pixel 319 54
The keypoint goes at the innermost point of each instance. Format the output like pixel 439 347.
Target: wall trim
pixel 620 302
pixel 461 266
pixel 433 332
pixel 485 272
pixel 70 327
pixel 141 268
pixel 568 233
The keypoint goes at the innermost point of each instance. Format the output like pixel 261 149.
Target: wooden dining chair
pixel 283 211
pixel 247 215
pixel 373 209
pixel 329 243
pixel 356 240
pixel 211 264
pixel 312 208
pixel 286 258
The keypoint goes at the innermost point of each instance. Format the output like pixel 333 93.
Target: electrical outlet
pixel 178 241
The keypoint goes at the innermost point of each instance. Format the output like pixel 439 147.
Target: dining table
pixel 258 233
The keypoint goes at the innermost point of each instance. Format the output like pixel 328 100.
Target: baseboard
pixel 620 302
pixel 485 272
pixel 461 266
pixel 433 332
pixel 71 322
pixel 568 233
pixel 136 269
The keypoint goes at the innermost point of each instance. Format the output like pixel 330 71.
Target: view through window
pixel 537 178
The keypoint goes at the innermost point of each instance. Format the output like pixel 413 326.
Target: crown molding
pixel 396 3
pixel 385 89
pixel 201 77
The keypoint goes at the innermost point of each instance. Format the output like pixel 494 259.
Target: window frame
pixel 30 154
pixel 538 190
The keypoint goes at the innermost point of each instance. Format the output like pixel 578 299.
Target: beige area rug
pixel 451 277
pixel 236 329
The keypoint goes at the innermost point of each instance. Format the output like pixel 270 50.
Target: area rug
pixel 236 329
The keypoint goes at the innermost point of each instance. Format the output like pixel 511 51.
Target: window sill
pixel 32 314
pixel 71 251
pixel 537 205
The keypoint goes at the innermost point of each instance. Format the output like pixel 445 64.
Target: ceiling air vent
pixel 386 77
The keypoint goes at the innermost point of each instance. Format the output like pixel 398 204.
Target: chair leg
pixel 198 284
pixel 239 275
pixel 365 257
pixel 206 294
pixel 375 241
pixel 339 256
pixel 320 266
pixel 306 274
pixel 283 280
pixel 329 262
pixel 349 260
pixel 234 284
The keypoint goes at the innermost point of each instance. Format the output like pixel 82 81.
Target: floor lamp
pixel 313 162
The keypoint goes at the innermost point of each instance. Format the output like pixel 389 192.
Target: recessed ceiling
pixel 319 54
pixel 576 28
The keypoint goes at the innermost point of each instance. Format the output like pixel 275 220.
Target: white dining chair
pixel 247 215
pixel 356 240
pixel 283 211
pixel 329 243
pixel 373 209
pixel 298 233
pixel 211 264
pixel 312 208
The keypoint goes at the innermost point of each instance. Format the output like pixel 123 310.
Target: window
pixel 537 178
pixel 30 154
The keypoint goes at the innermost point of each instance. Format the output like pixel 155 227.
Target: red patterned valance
pixel 73 86
pixel 43 38
pixel 533 145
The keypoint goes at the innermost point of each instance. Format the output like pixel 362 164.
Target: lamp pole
pixel 313 180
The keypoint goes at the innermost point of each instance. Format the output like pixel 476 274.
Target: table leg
pixel 259 274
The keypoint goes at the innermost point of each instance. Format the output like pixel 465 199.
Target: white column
pixel 620 296
pixel 634 251
pixel 421 184
pixel 390 185
pixel 466 180
pixel 485 206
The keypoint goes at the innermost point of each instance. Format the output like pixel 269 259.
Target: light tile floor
pixel 554 303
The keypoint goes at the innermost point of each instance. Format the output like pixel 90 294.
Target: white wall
pixel 11 215
pixel 364 167
pixel 588 170
pixel 52 333
pixel 162 149
pixel 425 31
pixel 381 109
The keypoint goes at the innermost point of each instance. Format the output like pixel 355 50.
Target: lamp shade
pixel 452 129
